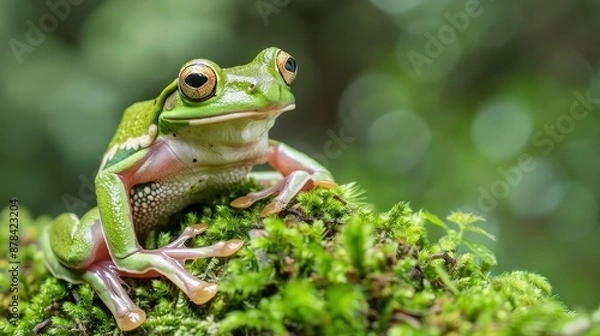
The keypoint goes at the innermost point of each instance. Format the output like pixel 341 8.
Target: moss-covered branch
pixel 328 265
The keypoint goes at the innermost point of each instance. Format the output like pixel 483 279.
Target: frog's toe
pixel 230 247
pixel 241 202
pixel 204 293
pixel 196 229
pixel 246 201
pixel 325 184
pixel 189 232
pixel 220 249
pixel 272 208
pixel 131 320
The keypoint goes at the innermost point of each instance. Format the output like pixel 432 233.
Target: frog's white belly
pixel 180 170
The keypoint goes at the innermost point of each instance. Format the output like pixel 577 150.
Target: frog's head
pixel 205 93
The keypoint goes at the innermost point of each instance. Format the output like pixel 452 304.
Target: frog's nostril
pixel 252 86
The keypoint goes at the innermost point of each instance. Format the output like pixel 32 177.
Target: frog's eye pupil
pixel 287 66
pixel 196 80
pixel 290 65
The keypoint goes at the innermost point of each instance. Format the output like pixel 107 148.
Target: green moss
pixel 328 265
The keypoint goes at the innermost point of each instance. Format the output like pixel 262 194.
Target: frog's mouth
pixel 266 113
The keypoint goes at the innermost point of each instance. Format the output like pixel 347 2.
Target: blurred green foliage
pixel 472 105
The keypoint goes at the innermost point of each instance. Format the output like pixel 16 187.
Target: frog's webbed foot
pixel 104 279
pixel 301 173
pixel 177 250
pixel 189 232
pixel 168 261
pixel 286 189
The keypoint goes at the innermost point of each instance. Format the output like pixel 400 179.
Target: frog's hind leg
pixel 104 279
pixel 77 243
pixel 74 250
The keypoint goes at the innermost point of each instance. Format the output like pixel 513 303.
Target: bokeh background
pixel 485 106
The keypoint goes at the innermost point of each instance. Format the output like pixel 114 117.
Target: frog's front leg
pixel 131 259
pixel 300 173
pixel 179 252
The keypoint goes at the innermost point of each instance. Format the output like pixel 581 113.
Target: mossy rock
pixel 328 265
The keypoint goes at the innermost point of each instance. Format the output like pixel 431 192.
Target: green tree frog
pixel 203 133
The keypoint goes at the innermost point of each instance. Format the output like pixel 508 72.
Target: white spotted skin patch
pixel 152 203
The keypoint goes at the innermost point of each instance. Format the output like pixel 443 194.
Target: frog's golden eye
pixel 287 66
pixel 197 81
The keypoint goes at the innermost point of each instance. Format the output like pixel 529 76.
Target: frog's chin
pixel 267 113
